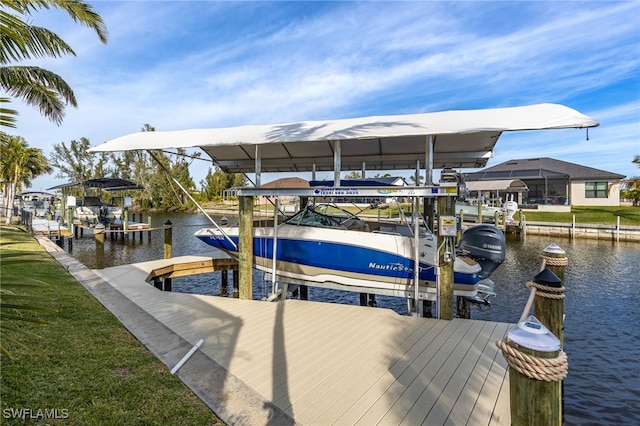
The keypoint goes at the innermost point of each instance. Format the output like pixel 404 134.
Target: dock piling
pixel 236 283
pixel 168 237
pixel 363 299
pixel 533 350
pixel 168 251
pixel 304 292
pixel 535 375
pixel 224 289
pixel 245 247
pixel 99 234
pixel 446 207
pixel 125 224
pixel 549 305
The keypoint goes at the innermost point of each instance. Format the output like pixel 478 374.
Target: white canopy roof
pixel 507 185
pixel 462 139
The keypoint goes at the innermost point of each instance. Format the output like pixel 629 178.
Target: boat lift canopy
pixel 459 139
pixel 505 185
pixel 107 184
pixel 456 139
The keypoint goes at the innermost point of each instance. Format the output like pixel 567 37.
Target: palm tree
pixel 630 188
pixel 38 87
pixel 19 164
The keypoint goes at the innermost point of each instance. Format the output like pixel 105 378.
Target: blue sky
pixel 199 64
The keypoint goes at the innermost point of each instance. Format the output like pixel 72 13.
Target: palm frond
pixel 18 308
pixel 7 115
pixel 78 10
pixel 19 41
pixel 39 88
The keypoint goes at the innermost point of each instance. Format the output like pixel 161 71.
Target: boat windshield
pixel 312 216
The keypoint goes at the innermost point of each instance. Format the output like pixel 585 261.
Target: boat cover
pixel 462 139
pixel 509 185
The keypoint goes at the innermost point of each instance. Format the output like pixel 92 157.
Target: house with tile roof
pixel 553 183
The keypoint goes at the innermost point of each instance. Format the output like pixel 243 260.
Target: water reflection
pixel 601 307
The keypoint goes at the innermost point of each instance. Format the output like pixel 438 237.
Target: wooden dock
pixel 49 228
pixel 330 364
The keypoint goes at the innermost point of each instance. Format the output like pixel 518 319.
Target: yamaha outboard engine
pixel 486 245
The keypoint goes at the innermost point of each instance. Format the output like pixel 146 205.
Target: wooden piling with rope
pixel 538 364
pixel 549 303
pixel 534 382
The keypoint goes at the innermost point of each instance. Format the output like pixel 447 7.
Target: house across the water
pixel 555 185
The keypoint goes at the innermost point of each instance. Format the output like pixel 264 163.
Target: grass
pixel 629 215
pixel 82 362
pixel 588 215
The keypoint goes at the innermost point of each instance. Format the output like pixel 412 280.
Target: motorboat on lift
pixel 325 244
pixel 321 252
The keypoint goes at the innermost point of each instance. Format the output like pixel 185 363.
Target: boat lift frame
pixel 448 190
pixel 466 139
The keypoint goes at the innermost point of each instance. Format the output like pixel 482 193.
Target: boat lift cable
pixel 191 198
pixel 194 157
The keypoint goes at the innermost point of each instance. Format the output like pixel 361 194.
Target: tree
pixel 155 170
pixel 217 181
pixel 75 163
pixel 19 164
pixel 631 187
pixel 631 190
pixel 412 178
pixel 353 175
pixel 20 40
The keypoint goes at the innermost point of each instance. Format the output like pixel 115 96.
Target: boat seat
pixel 356 225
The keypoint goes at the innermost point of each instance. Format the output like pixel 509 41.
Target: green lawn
pixel 595 215
pixel 82 365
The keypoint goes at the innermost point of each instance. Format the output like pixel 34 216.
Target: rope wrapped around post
pixel 546 291
pixel 543 369
pixel 555 261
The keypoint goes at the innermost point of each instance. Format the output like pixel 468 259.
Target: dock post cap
pixel 548 278
pixel 168 223
pixel 532 334
pixel 553 248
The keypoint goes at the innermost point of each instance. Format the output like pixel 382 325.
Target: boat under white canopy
pixel 505 185
pixel 460 139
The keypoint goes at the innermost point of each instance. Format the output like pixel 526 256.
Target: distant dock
pixel 302 362
pixel 49 228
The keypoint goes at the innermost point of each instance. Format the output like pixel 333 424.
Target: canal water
pixel 602 326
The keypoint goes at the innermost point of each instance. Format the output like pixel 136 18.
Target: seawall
pixel 588 231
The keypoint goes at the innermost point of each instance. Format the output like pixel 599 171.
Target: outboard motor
pixel 511 207
pixel 486 245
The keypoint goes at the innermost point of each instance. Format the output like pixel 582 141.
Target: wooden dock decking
pixel 49 228
pixel 329 364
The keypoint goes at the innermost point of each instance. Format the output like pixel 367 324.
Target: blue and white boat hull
pixel 353 260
